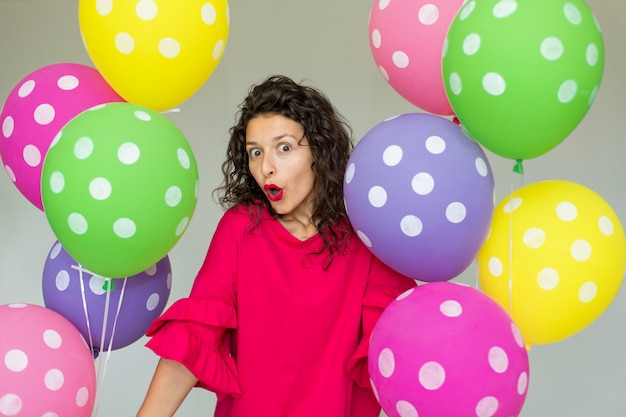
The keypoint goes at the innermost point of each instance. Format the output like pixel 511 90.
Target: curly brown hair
pixel 330 137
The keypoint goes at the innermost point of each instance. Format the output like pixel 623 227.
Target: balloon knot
pixel 109 285
pixel 519 167
pixel 456 120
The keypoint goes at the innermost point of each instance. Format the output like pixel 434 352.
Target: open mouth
pixel 274 193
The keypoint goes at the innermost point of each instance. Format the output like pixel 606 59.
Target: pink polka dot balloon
pixel 46 368
pixel 36 110
pixel 446 349
pixel 406 40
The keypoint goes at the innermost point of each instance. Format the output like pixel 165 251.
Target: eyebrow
pixel 274 139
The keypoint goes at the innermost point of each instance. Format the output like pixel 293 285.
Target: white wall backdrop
pixel 324 41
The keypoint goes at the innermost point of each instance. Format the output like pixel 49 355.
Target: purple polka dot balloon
pixel 446 349
pixel 143 298
pixel 419 194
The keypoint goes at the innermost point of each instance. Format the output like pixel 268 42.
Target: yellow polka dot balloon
pixel 155 53
pixel 554 259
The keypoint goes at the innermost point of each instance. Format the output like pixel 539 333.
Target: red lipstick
pixel 273 192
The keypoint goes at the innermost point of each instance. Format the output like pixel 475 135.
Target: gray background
pixel 324 41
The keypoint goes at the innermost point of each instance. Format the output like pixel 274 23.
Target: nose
pixel 268 167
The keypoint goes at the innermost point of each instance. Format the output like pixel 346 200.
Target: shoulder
pixel 244 216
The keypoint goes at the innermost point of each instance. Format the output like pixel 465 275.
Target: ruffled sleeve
pixel 384 285
pixel 200 331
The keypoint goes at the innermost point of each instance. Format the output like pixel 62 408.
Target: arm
pixel 169 387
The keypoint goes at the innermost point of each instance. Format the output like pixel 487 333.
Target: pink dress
pixel 270 331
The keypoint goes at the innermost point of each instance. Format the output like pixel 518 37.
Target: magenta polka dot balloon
pixel 36 110
pixel 446 349
pixel 46 368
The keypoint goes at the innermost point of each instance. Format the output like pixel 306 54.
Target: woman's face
pixel 280 160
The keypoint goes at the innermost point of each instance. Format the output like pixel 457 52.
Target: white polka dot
pixel 52 339
pixel 124 43
pixel 435 145
pixel 534 238
pixel 56 249
pixel 68 82
pixel 151 271
pixel 432 376
pixel 411 225
pixel 366 240
pixel 504 8
pixel 169 48
pixel 566 211
pixel 444 50
pixel 146 9
pixel 56 138
pixel 100 188
pixel 548 279
pixel 57 182
pixel 382 4
pixel 350 173
pixel 428 14
pixel 592 54
pixel 77 223
pixel 208 13
pixel 8 125
pixel 498 359
pixel 512 205
pixel 44 114
pixel 218 49
pixel 423 183
pixel 481 167
pixel 606 226
pixel 487 407
pixel 400 59
pixel 587 292
pixel 82 397
pixel 581 250
pixel 572 14
pixel 142 115
pixel 392 155
pixel 522 383
pixel 456 85
pixel 50 414
pixel 383 72
pixel 83 148
pixel 377 196
pixel 567 91
pixel 96 285
pixel 62 280
pixel 592 96
pixel 128 153
pixel 551 48
pixel 405 294
pixel 183 158
pixel 517 335
pixel 467 10
pixel 173 196
pixel 406 409
pixel 169 281
pixel 153 302
pixel 124 228
pixel 54 379
pixel 495 267
pixel 376 38
pixel 471 44
pixel 31 155
pixel 104 7
pixel 10 173
pixel 451 308
pixel 494 84
pixel 386 362
pixel 456 212
pixel 26 88
pixel 10 404
pixel 182 225
pixel 15 360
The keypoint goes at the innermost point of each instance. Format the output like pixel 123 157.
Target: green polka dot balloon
pixel 521 75
pixel 119 187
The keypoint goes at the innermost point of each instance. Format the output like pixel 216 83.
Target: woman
pixel 279 316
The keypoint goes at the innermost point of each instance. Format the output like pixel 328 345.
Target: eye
pixel 284 147
pixel 254 152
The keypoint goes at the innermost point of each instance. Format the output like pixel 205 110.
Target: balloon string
pixel 82 293
pixel 518 169
pixel 100 373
